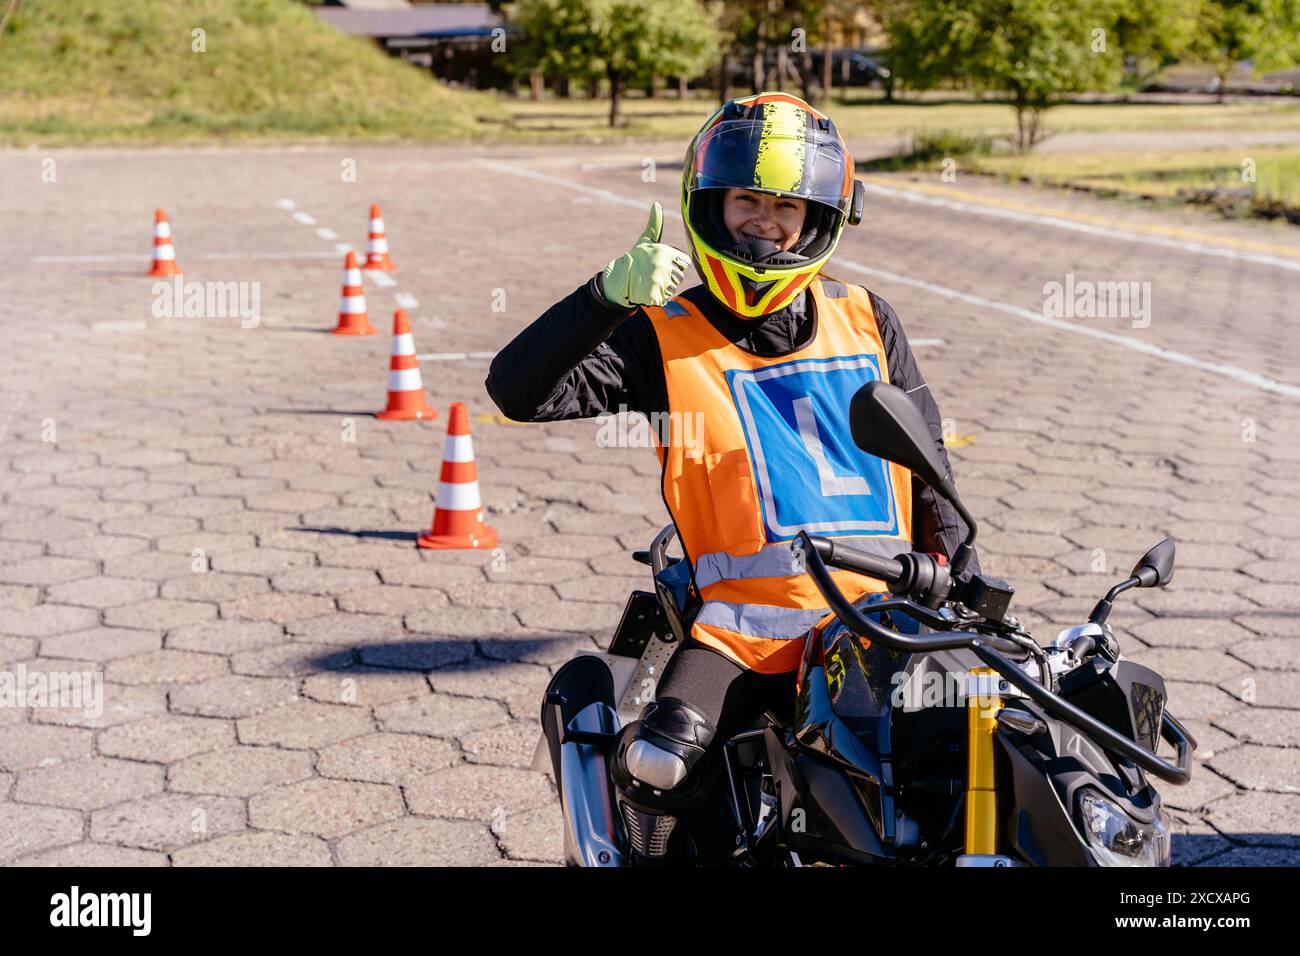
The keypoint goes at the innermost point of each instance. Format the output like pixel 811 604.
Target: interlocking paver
pixel 304 725
pixel 256 849
pixel 385 758
pixel 166 667
pixel 364 686
pixel 94 854
pixel 225 636
pixel 27 829
pixel 478 791
pixel 88 784
pixel 216 552
pixel 239 771
pixel 167 821
pixel 26 746
pixel 45 620
pixel 441 716
pixel 166 738
pixel 325 808
pixel 233 696
pixel 101 643
pixel 418 842
pixel 160 614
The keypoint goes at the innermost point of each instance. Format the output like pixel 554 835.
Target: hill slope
pixel 73 70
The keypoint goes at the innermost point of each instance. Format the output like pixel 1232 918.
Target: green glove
pixel 646 273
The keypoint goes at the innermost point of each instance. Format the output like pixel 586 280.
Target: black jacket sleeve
pixel 936 526
pixel 579 359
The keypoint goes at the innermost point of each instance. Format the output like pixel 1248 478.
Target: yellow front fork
pixel 981 793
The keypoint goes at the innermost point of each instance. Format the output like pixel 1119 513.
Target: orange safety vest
pixel 759 449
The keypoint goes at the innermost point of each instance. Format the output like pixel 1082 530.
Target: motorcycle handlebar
pixel 984 646
pixel 839 555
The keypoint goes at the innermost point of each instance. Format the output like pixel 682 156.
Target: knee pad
pixel 654 771
pixel 656 754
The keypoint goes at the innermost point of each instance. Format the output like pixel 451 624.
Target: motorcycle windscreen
pixel 862 678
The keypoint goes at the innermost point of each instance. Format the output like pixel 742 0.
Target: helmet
pixel 773 143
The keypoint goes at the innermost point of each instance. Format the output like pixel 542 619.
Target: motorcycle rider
pixel 766 353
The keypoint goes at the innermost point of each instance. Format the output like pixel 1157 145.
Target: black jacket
pixel 582 358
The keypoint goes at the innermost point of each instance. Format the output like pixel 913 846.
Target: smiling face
pixel 754 215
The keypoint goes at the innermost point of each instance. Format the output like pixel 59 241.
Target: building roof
pixel 436 20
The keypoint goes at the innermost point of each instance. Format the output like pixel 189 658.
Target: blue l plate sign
pixel 811 476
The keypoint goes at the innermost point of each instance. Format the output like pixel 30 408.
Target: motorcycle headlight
pixel 1118 839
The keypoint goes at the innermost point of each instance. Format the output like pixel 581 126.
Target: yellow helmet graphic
pixel 773 143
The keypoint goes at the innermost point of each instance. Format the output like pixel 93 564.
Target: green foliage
pixel 1033 52
pixel 1267 32
pixel 928 147
pixel 624 41
pixel 128 70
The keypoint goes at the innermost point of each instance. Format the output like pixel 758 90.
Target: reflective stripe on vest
pixel 777 560
pixel 771 456
pixel 760 620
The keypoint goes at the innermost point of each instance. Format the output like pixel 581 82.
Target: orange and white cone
pixel 405 387
pixel 458 511
pixel 164 256
pixel 377 243
pixel 353 318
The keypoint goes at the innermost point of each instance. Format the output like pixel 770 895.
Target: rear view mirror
pixel 886 424
pixel 1155 569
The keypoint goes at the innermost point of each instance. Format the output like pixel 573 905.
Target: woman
pixel 766 353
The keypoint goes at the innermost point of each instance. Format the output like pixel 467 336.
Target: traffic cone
pixel 405 388
pixel 164 256
pixel 377 243
pixel 353 319
pixel 458 511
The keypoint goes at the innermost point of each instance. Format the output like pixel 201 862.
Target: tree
pixel 621 40
pixel 1266 32
pixel 1156 33
pixel 635 41
pixel 11 7
pixel 555 39
pixel 1033 52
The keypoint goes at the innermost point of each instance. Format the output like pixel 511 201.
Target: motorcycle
pixel 929 727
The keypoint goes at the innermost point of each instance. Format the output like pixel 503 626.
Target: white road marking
pixel 327 234
pixel 381 279
pixel 1183 245
pixel 454 356
pixel 405 300
pixel 313 254
pixel 1136 345
pixel 287 204
pixel 1217 368
pixel 125 325
pixel 919 343
pixel 343 247
pixel 60 260
pixel 304 218
pixel 4 425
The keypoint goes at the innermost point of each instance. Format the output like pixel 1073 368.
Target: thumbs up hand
pixel 648 272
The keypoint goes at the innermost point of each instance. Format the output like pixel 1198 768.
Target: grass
pixel 868 117
pixel 93 71
pixel 1213 177
pixel 125 71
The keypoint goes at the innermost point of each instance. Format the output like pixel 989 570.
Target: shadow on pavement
pixel 378 535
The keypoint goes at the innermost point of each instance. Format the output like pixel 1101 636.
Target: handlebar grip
pixel 839 555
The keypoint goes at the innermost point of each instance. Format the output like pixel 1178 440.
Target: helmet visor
pixel 787 159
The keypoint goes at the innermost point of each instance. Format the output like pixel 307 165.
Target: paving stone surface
pixel 287 679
